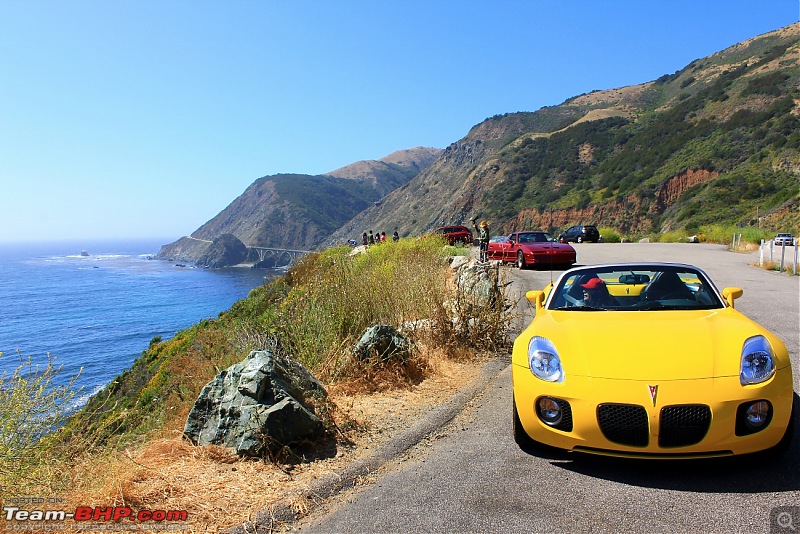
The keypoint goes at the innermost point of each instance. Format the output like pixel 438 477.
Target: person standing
pixel 483 240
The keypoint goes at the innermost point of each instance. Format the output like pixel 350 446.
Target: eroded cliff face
pixel 631 214
pixel 675 187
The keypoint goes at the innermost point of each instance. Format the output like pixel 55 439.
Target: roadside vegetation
pixel 747 237
pixel 317 312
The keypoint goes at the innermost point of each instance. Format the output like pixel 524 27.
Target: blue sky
pixel 123 119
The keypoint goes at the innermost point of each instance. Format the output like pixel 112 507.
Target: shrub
pixel 336 297
pixel 609 235
pixel 32 404
pixel 674 236
pixel 723 234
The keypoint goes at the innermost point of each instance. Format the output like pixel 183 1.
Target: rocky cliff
pixel 294 211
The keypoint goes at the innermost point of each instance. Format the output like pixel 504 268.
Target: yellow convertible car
pixel 648 361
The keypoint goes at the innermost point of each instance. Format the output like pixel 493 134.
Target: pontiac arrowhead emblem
pixel 653 393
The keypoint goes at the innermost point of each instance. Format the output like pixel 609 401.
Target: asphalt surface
pixel 470 476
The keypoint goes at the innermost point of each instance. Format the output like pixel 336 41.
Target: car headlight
pixel 544 361
pixel 758 363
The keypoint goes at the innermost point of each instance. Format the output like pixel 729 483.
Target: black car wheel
pixel 579 239
pixel 520 259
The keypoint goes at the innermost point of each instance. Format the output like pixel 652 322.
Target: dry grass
pixel 745 248
pixel 220 490
pixel 147 465
pixel 788 267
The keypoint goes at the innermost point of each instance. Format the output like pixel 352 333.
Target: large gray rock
pixel 257 405
pixel 478 284
pixel 382 343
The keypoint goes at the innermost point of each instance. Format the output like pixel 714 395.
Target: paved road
pixel 472 476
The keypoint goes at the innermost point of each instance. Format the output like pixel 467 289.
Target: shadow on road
pixel 755 473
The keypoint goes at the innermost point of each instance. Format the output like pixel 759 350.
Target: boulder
pixel 382 343
pixel 257 405
pixel 478 283
pixel 459 261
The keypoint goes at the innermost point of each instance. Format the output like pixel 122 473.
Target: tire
pixel 521 437
pixel 520 260
pixel 579 239
pixel 785 443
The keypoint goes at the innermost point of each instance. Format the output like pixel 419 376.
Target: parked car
pixel 784 239
pixel 531 249
pixel 455 234
pixel 579 234
pixel 498 239
pixel 648 360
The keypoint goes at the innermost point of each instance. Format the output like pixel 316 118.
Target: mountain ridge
pixel 624 157
pixel 718 141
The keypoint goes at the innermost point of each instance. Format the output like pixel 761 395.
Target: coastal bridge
pixel 282 256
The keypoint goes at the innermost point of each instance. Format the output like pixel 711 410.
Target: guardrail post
pixel 794 269
pixel 761 254
pixel 783 253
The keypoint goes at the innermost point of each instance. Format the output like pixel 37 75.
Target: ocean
pixel 100 311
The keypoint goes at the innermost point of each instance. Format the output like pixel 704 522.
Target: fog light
pixel 549 411
pixel 753 416
pixel 757 414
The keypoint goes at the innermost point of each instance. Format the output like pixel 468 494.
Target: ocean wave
pixel 79 401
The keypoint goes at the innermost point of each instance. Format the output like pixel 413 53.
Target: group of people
pixel 377 237
pixel 481 229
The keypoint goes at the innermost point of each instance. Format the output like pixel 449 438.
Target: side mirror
pixel 537 298
pixel 732 293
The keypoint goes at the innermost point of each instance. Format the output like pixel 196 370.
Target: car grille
pixel 680 425
pixel 566 420
pixel 625 424
pixel 684 425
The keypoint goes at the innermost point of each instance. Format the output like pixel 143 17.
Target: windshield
pixel 535 237
pixel 633 288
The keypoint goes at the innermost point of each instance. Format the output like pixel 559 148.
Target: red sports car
pixel 531 249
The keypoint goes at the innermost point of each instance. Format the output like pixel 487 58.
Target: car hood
pixel 648 345
pixel 540 246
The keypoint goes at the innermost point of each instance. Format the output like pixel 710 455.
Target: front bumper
pixel 549 258
pixel 666 424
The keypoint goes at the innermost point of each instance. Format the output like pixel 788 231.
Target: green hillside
pixel 716 142
pixel 740 125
